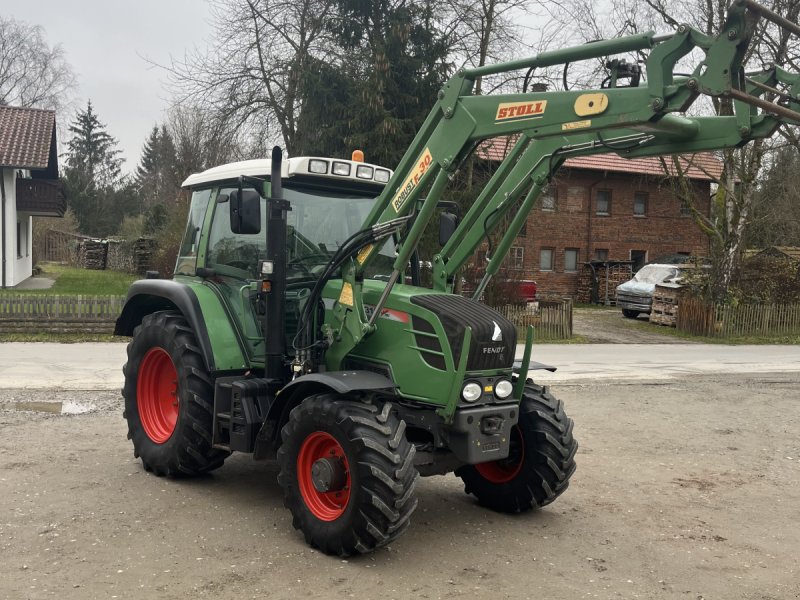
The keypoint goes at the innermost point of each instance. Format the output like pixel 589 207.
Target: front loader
pixel 295 327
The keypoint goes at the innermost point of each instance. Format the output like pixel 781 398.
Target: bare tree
pixel 202 140
pixel 776 210
pixel 32 73
pixel 252 73
pixel 486 31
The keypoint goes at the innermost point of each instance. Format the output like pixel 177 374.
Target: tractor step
pixel 240 407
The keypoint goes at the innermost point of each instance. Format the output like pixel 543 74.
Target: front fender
pixel 200 306
pixel 342 382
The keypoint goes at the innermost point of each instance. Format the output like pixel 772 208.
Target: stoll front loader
pixel 295 326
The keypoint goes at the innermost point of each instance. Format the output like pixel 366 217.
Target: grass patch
pixel 731 341
pixel 72 281
pixel 575 339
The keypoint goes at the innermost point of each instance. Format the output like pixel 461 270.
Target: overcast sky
pixel 106 42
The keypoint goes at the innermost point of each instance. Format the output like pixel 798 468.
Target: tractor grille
pixel 456 313
pixel 430 347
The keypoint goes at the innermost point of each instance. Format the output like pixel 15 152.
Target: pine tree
pixel 93 151
pixel 377 98
pixel 169 161
pixel 93 175
pixel 155 177
pixel 148 164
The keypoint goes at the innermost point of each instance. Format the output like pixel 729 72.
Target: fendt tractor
pixel 295 327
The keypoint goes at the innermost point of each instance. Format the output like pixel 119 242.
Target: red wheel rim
pixel 503 471
pixel 157 395
pixel 326 506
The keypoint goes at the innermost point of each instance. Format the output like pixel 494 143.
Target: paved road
pixel 661 361
pixel 98 366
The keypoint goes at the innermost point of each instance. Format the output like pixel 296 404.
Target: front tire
pixel 169 398
pixel 630 314
pixel 347 472
pixel 540 463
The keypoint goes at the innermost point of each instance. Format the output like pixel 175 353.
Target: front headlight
pixel 471 391
pixel 503 389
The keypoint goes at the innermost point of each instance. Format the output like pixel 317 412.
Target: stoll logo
pixel 519 111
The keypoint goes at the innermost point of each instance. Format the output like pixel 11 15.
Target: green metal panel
pixel 394 344
pixel 225 343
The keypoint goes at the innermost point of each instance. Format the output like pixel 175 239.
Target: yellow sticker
pixel 423 164
pixel 587 105
pixel 346 297
pixel 364 253
pixel 576 125
pixel 520 111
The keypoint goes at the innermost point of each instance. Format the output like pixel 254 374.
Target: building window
pixel 601 254
pixel 523 230
pixel 639 258
pixel 640 204
pixel 516 257
pixel 19 239
pixel 548 198
pixel 685 209
pixel 571 259
pixel 546 259
pixel 603 202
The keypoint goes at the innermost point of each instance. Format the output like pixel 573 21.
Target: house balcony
pixel 41 197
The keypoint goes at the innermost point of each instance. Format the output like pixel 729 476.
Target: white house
pixel 29 186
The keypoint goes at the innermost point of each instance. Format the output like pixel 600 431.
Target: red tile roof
pixel 704 166
pixel 25 137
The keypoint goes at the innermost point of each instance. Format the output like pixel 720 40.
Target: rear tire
pixel 169 398
pixel 373 497
pixel 540 462
pixel 630 314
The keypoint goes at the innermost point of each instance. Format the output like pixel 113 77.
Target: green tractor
pixel 296 328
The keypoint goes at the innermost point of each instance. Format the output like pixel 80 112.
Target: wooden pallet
pixel 665 304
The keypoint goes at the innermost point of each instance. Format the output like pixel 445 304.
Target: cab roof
pixel 333 169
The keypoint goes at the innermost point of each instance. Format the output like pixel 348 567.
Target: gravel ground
pixel 608 326
pixel 684 489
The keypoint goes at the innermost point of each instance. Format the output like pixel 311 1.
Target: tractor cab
pixel 328 201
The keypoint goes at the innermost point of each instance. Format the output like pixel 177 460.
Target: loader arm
pixel 552 126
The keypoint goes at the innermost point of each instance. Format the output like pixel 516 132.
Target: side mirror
pixel 447 227
pixel 245 209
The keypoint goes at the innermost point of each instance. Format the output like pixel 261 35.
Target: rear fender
pixel 219 345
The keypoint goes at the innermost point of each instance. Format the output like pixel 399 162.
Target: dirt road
pixel 684 490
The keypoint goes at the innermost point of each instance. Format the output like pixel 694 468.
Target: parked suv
pixel 636 295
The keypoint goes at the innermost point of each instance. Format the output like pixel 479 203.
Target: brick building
pixel 607 208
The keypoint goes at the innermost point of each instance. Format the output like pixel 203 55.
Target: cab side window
pixel 239 252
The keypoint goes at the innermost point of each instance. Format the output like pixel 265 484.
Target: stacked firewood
pixel 92 254
pixel 131 256
pixel 603 278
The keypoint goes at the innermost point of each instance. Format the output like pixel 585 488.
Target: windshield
pixel 655 274
pixel 319 222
